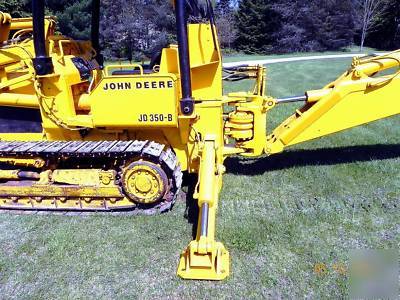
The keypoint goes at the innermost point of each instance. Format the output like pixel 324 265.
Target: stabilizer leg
pixel 205 258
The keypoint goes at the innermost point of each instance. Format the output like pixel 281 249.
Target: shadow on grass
pixel 192 209
pixel 323 156
pixel 290 159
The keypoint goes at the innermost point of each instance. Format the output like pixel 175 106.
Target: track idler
pixel 145 182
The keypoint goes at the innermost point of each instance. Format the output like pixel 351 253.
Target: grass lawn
pixel 279 216
pixel 349 50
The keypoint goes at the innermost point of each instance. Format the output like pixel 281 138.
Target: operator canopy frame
pixel 185 11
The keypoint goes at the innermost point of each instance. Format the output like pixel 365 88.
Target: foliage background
pixel 137 29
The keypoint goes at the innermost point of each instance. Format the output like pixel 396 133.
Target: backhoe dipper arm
pixel 357 97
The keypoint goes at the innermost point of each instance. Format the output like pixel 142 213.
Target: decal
pixel 164 84
pixel 155 117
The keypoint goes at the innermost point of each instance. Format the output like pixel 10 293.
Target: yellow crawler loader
pixel 118 138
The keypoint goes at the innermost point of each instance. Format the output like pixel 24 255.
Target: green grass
pixel 279 217
pixel 350 50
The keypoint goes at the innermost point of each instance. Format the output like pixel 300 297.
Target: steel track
pixel 92 154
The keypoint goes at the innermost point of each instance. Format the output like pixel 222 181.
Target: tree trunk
pixel 363 36
pixel 362 42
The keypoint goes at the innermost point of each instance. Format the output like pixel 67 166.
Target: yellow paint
pixel 353 99
pixel 9 174
pixel 144 183
pixel 205 258
pixel 139 101
pixel 144 105
pixel 24 162
pixel 83 177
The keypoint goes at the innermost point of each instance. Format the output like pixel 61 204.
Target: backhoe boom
pixel 357 97
pixel 367 92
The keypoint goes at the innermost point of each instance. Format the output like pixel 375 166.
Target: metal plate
pixel 104 147
pixel 56 147
pixel 40 147
pixel 120 147
pixel 136 146
pixel 169 159
pixel 87 147
pixel 25 147
pixel 73 147
pixel 8 146
pixel 154 149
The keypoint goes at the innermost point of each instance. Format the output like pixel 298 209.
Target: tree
pixel 133 29
pixel 333 23
pixel 16 8
pixel 137 31
pixel 74 17
pixel 256 24
pixel 314 25
pixel 367 11
pixel 385 33
pixel 225 20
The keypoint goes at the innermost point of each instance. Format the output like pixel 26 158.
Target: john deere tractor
pixel 119 138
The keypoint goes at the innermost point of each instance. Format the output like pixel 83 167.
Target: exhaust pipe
pixel 187 102
pixel 42 62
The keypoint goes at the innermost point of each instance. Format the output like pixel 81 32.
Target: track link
pixel 105 159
